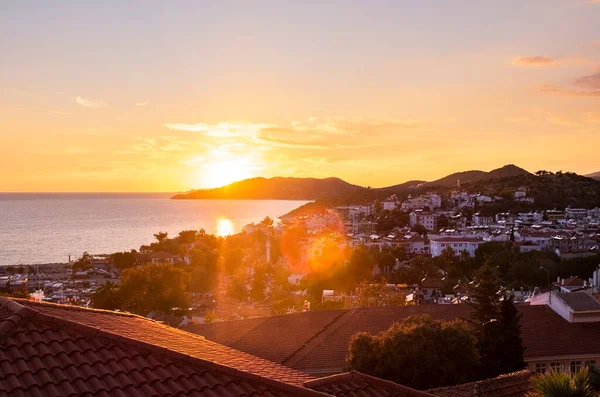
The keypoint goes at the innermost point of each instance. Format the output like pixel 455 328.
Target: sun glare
pixel 221 173
pixel 224 227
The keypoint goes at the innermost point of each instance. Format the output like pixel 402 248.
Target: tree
pixel 377 294
pixel 83 263
pixel 123 260
pixel 161 237
pixel 496 324
pixel 268 222
pixel 257 292
pixel 485 295
pixel 108 297
pixel 411 351
pixel 510 345
pixel 377 206
pixel 187 236
pixel 154 287
pixel 232 259
pixel 419 229
pixel 205 265
pixel 237 286
pixel 443 222
pixel 557 384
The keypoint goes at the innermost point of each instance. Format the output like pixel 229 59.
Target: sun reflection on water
pixel 225 227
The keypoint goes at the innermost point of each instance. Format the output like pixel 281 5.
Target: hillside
pixel 276 189
pixel 595 175
pixel 467 177
pixel 550 190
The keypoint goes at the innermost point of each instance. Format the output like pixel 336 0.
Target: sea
pixel 37 228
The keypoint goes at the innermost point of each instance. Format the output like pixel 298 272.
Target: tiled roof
pixel 53 350
pixel 574 282
pixel 457 239
pixel 579 301
pixel 516 384
pixel 546 334
pixel 356 384
pixel 318 341
pixel 271 338
pixel 543 331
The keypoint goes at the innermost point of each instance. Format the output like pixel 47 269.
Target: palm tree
pixel 555 384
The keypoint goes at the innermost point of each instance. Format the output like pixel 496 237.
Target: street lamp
pixel 493 320
pixel 547 273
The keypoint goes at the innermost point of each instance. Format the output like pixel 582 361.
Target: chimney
pixel 562 282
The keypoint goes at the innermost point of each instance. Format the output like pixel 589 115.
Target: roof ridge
pixel 89 331
pixel 309 340
pixel 79 308
pixel 369 379
pixel 262 320
pixel 19 313
pixel 295 357
pixel 508 376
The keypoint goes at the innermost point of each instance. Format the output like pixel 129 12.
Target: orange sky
pixel 173 99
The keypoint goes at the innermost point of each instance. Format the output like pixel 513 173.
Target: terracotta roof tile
pixel 580 301
pixel 272 337
pixel 356 384
pixel 516 384
pixel 543 331
pixel 165 337
pixel 42 356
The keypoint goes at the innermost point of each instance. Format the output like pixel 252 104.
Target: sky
pixel 119 95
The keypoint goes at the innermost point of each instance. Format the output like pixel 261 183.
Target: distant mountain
pixel 549 189
pixel 595 175
pixel 276 189
pixel 467 177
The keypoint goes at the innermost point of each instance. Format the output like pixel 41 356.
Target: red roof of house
pixel 322 349
pixel 317 342
pixel 356 384
pixel 516 384
pixel 272 337
pixel 54 350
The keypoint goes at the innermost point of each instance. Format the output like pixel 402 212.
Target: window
pixel 575 366
pixel 556 366
pixel 540 368
pixel 590 363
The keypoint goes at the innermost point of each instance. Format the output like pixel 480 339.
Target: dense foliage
pixel 496 323
pixel 410 352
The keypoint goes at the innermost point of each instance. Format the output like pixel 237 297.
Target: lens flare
pixel 225 227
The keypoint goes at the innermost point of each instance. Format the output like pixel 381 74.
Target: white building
pixel 431 200
pixel 458 245
pixel 390 203
pixel 426 219
pixel 530 217
pixel 576 213
pixel 484 199
pixel 482 220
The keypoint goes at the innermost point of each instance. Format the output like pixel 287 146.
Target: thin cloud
pixel 553 89
pixel 88 103
pixel 590 82
pixel 141 104
pixel 542 61
pixel 219 130
pixel 533 61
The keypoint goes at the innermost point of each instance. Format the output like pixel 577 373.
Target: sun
pixel 225 227
pixel 224 172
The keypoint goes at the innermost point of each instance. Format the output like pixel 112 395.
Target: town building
pixel 458 245
pixel 423 218
pixel 482 220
